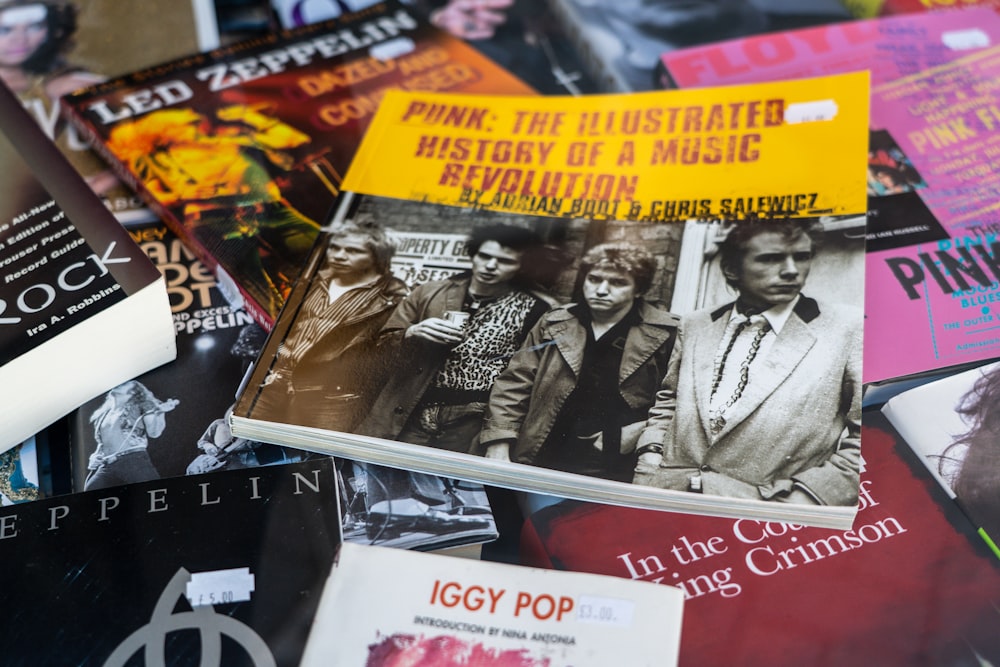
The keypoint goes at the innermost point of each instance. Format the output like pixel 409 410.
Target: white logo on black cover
pixel 151 638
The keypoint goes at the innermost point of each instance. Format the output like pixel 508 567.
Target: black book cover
pixel 65 264
pixel 215 346
pixel 223 569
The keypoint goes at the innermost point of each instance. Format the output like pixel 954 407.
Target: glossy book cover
pixel 221 569
pixel 242 150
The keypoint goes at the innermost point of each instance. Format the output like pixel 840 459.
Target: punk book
pixel 81 307
pixel 241 150
pixel 624 298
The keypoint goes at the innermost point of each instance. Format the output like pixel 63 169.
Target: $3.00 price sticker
pixel 604 611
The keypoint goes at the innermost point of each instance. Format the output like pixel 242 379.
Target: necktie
pixel 759 326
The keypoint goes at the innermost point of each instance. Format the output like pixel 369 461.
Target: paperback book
pixel 908 585
pixel 451 613
pixel 221 569
pixel 931 223
pixel 606 241
pixel 391 507
pixel 951 424
pixel 241 150
pixel 77 44
pixel 78 299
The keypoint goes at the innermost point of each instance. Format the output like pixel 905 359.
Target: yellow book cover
pixel 651 299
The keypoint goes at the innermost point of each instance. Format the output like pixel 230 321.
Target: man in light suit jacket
pixel 762 397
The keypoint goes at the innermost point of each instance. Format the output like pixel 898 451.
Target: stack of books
pixel 274 306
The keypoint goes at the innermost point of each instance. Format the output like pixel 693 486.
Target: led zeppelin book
pixel 908 585
pixel 449 613
pixel 242 150
pixel 951 424
pixel 221 569
pixel 184 403
pixel 541 293
pixel 81 307
pixel 84 43
pixel 932 224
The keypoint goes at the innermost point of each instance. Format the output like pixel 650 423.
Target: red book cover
pixel 909 584
pixel 241 150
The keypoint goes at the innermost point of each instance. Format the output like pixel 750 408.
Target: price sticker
pixel 961 40
pixel 605 611
pixel 394 48
pixel 810 112
pixel 219 587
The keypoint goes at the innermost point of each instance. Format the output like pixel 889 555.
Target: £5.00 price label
pixel 219 587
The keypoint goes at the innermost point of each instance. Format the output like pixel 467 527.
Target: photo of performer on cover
pixel 327 371
pixel 451 339
pixel 577 393
pixel 762 399
pixel 691 356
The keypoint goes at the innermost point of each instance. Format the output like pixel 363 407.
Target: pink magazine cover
pixel 932 287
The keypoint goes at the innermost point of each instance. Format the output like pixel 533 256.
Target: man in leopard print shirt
pixel 444 369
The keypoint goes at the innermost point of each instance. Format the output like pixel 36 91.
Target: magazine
pixel 931 183
pixel 569 267
pixel 620 42
pixel 951 424
pixel 241 150
pixel 451 613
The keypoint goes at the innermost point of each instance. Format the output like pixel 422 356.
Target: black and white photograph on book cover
pixel 391 507
pixel 602 348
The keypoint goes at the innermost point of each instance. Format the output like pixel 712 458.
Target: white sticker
pixel 22 15
pixel 605 611
pixel 810 112
pixel 394 48
pixel 220 587
pixel 969 38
